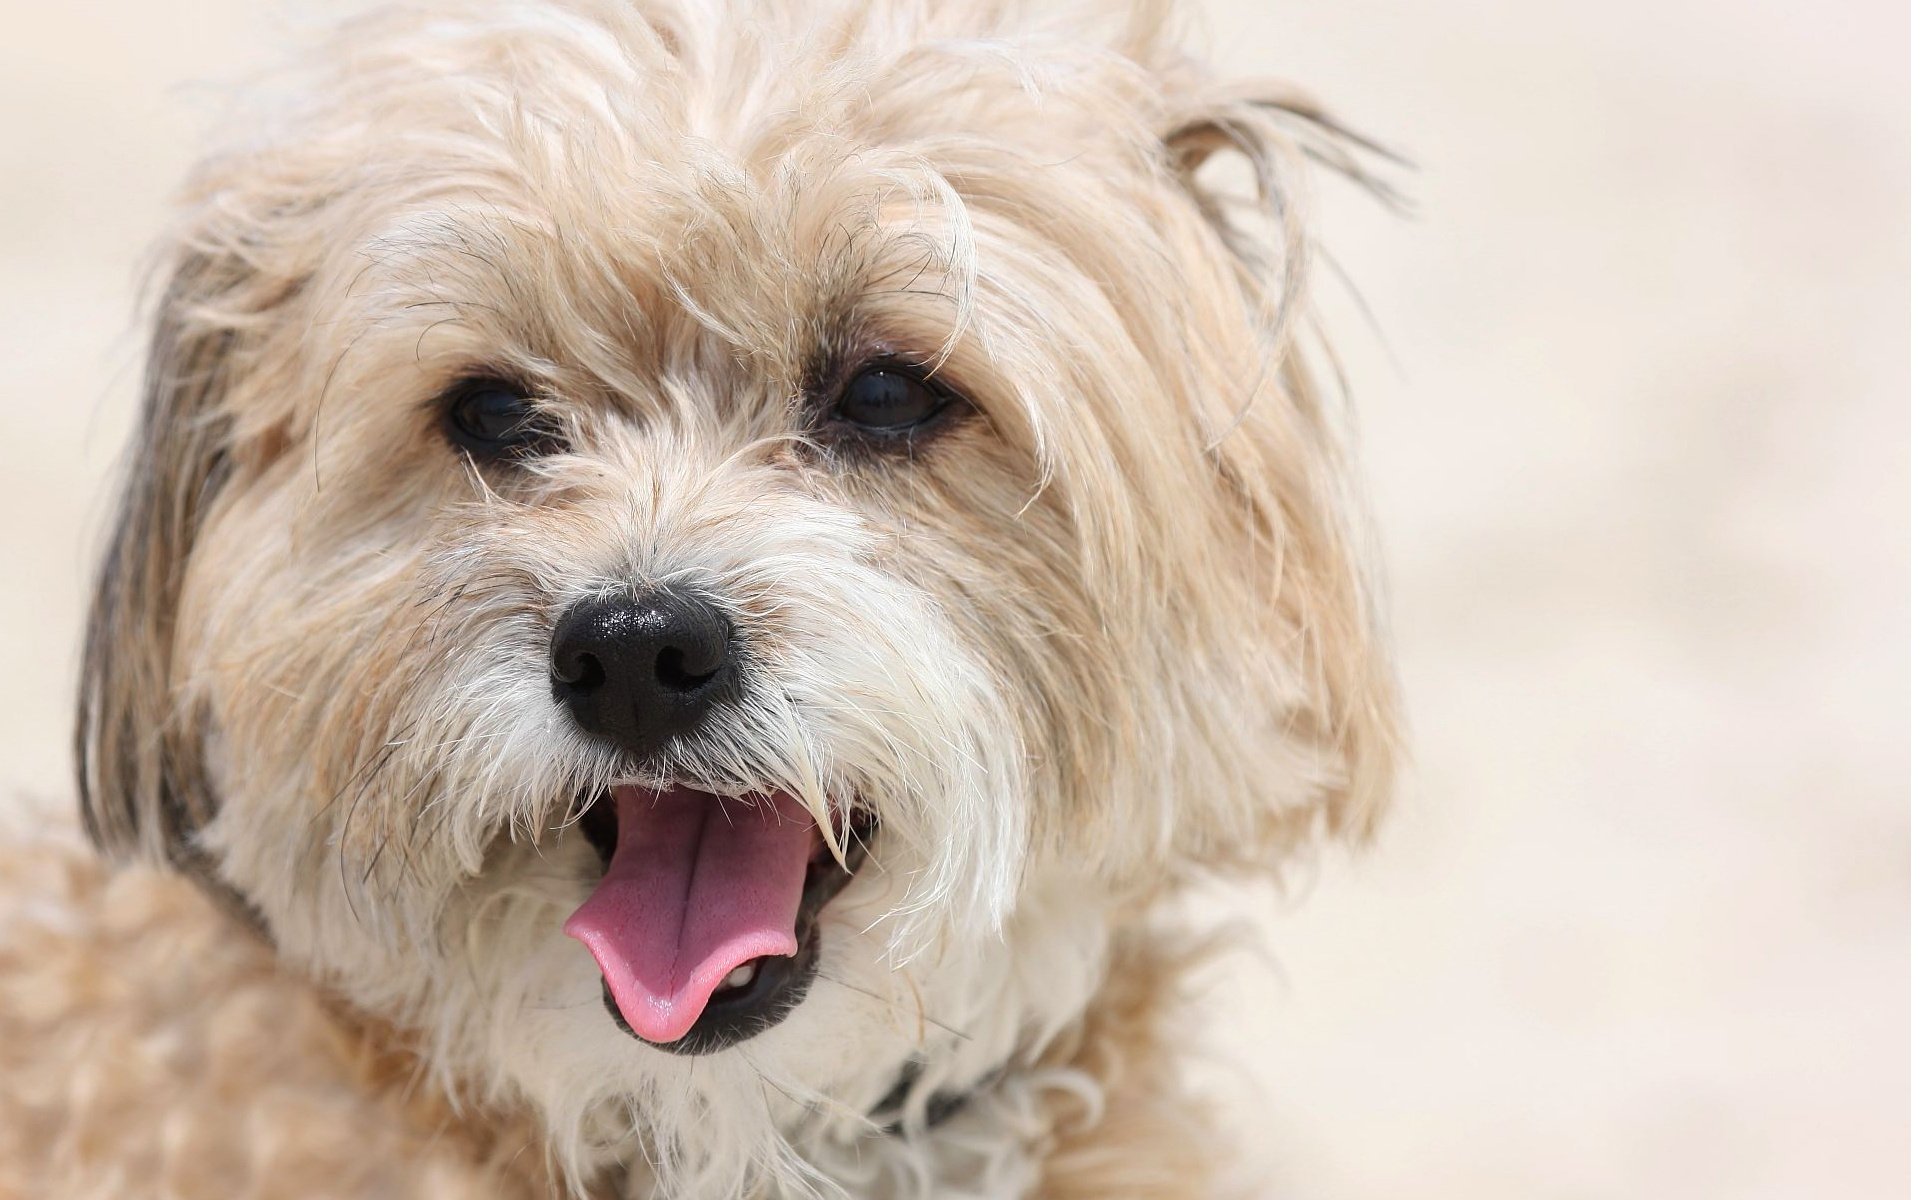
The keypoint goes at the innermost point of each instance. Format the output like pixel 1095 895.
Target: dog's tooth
pixel 741 975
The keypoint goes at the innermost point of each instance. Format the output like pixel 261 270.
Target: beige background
pixel 1638 439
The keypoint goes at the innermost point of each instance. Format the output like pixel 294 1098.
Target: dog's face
pixel 698 566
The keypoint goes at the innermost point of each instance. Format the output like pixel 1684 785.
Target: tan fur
pixel 1151 1136
pixel 154 1048
pixel 1108 631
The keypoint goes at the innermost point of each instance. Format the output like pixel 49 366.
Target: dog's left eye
pixel 888 400
pixel 491 418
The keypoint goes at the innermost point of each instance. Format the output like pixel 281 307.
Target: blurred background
pixel 1636 427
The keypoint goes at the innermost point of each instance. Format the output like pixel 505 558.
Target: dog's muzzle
pixel 705 920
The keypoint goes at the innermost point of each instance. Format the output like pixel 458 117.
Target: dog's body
pixel 694 585
pixel 154 1050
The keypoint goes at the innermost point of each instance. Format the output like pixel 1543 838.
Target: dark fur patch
pixel 139 755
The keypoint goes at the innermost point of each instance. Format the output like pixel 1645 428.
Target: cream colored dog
pixel 695 581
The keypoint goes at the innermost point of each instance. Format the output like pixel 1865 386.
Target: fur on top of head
pixel 1099 625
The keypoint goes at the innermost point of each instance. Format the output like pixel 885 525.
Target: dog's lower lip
pixel 759 993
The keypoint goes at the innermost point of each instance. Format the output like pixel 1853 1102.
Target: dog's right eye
pixel 494 419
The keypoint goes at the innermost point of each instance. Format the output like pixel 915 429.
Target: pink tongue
pixel 698 885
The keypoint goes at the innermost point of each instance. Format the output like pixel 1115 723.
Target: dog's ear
pixel 139 751
pixel 142 785
pixel 1277 132
pixel 1284 459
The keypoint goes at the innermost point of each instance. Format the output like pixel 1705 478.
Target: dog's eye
pixel 491 418
pixel 888 400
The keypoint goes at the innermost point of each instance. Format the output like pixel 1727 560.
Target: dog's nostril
pixel 672 671
pixel 581 672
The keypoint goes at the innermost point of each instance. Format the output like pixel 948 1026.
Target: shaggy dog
pixel 697 582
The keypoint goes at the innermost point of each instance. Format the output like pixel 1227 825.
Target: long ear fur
pixel 143 785
pixel 1323 546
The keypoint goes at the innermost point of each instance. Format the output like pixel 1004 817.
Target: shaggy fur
pixel 1107 634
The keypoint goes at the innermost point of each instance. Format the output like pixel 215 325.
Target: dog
pixel 696 584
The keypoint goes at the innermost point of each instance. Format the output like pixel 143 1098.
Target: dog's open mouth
pixel 705 924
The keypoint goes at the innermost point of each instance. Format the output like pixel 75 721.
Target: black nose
pixel 637 670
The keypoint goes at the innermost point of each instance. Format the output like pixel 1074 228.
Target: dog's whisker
pixel 878 998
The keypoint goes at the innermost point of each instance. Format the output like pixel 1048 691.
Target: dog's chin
pixel 752 995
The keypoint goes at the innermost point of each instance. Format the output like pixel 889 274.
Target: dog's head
pixel 695 560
